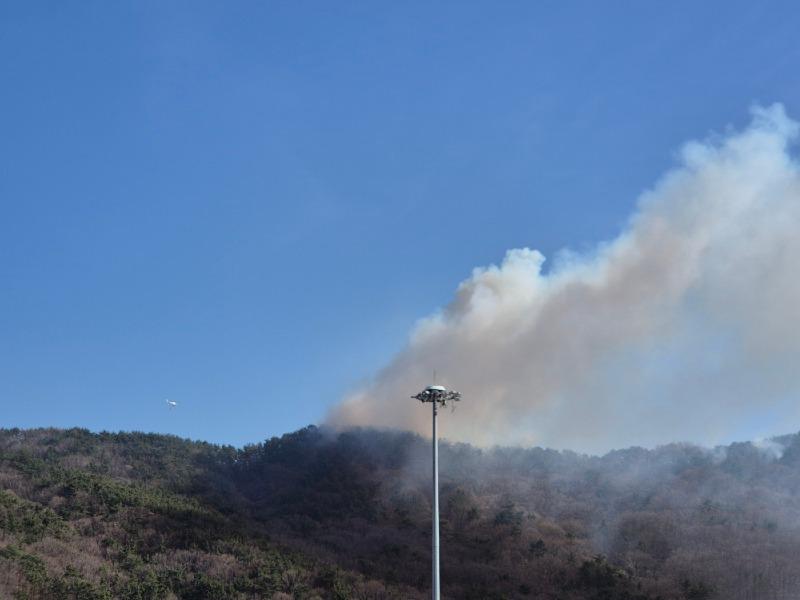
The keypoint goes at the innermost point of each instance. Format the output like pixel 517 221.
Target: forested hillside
pixel 336 516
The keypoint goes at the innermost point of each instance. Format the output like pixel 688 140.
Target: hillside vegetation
pixel 317 515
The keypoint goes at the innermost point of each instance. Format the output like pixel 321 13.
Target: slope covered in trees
pixel 320 515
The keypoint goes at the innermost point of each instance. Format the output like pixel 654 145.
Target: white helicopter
pixel 171 403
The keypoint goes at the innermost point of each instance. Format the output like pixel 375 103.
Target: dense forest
pixel 323 515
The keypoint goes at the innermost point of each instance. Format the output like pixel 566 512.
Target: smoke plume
pixel 686 326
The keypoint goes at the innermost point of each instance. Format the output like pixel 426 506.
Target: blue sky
pixel 246 206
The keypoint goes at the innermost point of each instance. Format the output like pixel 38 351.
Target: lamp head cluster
pixel 438 394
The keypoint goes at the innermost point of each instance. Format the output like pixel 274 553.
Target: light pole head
pixel 438 394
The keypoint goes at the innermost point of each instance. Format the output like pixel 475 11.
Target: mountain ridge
pixel 318 514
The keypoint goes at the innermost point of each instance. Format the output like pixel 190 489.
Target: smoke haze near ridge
pixel 686 326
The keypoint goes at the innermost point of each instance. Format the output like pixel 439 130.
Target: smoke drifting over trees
pixel 693 310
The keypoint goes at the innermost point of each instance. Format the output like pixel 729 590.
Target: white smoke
pixel 686 326
pixel 772 448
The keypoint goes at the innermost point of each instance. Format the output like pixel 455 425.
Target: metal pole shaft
pixel 435 507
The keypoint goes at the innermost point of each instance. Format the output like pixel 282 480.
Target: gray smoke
pixel 686 326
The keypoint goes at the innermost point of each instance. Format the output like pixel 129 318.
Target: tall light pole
pixel 438 396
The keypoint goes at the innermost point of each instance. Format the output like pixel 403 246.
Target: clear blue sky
pixel 244 206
